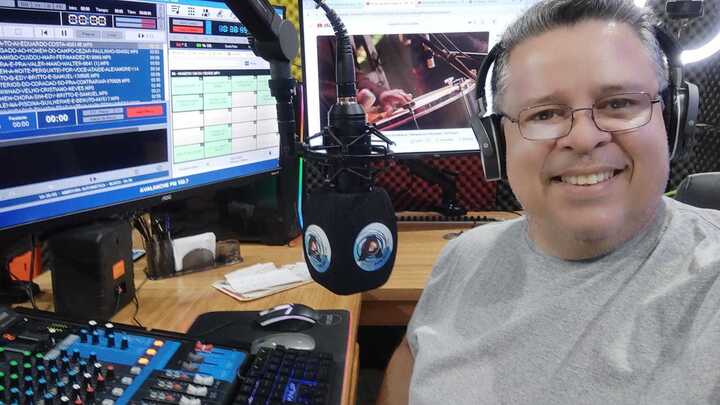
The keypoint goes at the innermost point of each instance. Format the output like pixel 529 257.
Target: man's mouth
pixel 588 179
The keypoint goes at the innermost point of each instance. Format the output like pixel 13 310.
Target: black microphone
pixel 428 54
pixel 349 227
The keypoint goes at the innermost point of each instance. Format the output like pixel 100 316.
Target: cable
pixel 28 286
pixel 118 292
pixel 137 309
pixel 214 329
pixel 300 160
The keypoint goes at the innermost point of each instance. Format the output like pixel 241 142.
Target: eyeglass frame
pixel 572 111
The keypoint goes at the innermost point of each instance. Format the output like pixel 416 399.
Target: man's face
pixel 576 66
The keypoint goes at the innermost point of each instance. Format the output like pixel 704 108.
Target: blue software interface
pixel 104 102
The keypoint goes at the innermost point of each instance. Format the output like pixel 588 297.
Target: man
pixel 605 292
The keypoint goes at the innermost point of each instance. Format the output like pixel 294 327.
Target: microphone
pixel 428 54
pixel 350 229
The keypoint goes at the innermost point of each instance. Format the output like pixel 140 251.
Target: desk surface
pixel 174 303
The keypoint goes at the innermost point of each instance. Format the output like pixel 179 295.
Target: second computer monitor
pixel 416 65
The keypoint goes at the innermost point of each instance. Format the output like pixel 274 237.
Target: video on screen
pixel 408 81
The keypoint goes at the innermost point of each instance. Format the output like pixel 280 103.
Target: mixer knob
pixel 111 340
pixel 75 355
pixel 27 368
pixel 61 388
pixel 65 364
pixel 29 396
pixel 42 385
pixel 14 381
pixel 27 382
pixel 89 393
pixel 27 357
pixel 40 371
pixel 124 343
pixel 53 374
pixel 14 395
pixel 76 391
pixel 72 376
pixel 87 378
pixel 96 337
pixel 93 358
pixel 110 373
pixel 93 325
pixel 64 353
pixel 100 382
pixel 14 369
pixel 64 399
pixel 49 398
pixel 82 366
pixel 83 335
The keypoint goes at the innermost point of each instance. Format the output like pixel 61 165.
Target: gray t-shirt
pixel 499 322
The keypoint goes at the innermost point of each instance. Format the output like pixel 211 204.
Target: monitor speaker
pixel 92 269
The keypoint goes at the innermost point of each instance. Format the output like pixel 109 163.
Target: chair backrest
pixel 700 190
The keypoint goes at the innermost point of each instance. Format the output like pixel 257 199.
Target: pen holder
pixel 160 260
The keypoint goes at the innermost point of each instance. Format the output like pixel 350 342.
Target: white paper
pixel 265 276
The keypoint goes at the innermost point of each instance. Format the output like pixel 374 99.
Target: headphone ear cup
pixel 491 139
pixel 688 106
pixel 670 118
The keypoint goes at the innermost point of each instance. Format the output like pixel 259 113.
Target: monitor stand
pixel 450 206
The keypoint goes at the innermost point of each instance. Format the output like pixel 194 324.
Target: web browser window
pixel 416 63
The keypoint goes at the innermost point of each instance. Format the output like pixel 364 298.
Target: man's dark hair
pixel 551 14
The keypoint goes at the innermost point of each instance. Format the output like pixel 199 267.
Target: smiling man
pixel 605 292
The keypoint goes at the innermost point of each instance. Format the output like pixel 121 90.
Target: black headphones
pixel 681 101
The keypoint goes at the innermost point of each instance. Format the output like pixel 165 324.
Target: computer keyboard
pixel 286 376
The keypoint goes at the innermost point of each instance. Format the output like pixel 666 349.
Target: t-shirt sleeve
pixel 435 294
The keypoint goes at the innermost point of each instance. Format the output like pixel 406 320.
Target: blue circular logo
pixel 373 247
pixel 317 248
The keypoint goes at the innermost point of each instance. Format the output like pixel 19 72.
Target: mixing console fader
pixel 45 360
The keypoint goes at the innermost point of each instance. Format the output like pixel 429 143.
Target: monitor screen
pixel 104 102
pixel 416 63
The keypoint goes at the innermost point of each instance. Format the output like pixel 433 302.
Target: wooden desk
pixel 174 303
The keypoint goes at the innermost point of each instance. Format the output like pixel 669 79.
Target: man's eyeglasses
pixel 615 113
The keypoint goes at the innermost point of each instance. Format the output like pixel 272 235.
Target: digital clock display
pixel 87 20
pixel 223 28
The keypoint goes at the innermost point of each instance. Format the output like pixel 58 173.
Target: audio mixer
pixel 45 360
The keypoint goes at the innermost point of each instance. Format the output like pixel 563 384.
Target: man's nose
pixel 584 135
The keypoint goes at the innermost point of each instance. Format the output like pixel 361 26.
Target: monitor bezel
pixel 125 208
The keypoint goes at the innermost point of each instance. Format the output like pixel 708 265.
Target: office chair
pixel 700 190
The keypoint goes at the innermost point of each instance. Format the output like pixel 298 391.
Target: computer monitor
pixel 423 55
pixel 107 104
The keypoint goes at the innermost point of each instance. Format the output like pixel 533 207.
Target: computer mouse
pixel 287 318
pixel 289 340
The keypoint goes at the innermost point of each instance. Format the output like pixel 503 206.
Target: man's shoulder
pixel 688 215
pixel 492 233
